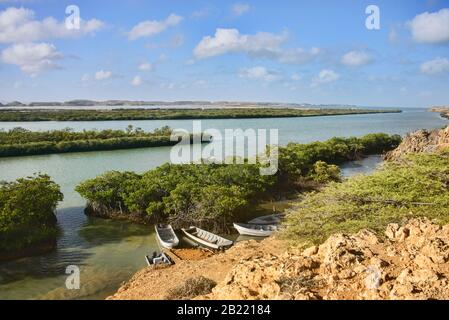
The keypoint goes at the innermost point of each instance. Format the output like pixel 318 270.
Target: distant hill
pixel 173 104
pixel 15 104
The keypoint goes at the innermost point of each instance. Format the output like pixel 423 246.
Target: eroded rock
pixel 412 263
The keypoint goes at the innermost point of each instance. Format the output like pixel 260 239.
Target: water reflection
pixel 107 253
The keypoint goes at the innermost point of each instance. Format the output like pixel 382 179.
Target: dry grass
pixel 191 288
pixel 297 284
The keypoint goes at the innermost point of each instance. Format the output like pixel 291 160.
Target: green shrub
pixel 415 187
pixel 165 114
pixel 27 209
pixel 21 142
pixel 325 173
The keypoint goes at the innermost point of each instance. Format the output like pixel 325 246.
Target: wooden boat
pixel 271 219
pixel 207 239
pixel 161 259
pixel 255 230
pixel 166 236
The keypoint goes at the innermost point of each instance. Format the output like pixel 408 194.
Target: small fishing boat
pixel 255 230
pixel 159 259
pixel 271 219
pixel 207 239
pixel 166 236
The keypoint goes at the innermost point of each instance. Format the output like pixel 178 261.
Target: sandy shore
pixel 154 284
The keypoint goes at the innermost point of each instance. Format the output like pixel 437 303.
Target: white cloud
pixel 393 36
pixel 296 77
pixel 137 81
pixel 425 93
pixel 17 84
pixel 239 9
pixel 202 84
pixel 230 40
pixel 32 58
pixel 85 77
pixel 169 85
pixel 325 76
pixel 151 28
pixel 356 59
pixel 18 25
pixel 296 56
pixel 175 42
pixel 103 75
pixel 436 66
pixel 145 66
pixel 200 13
pixel 260 45
pixel 259 73
pixel 431 27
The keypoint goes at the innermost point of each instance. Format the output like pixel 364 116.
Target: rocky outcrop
pixel 421 141
pixel 444 111
pixel 156 283
pixel 410 262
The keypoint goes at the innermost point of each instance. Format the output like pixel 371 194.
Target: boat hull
pixel 255 230
pixel 273 219
pixel 162 259
pixel 166 237
pixel 218 244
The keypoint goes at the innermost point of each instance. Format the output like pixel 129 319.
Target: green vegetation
pixel 325 173
pixel 418 186
pixel 21 142
pixel 192 288
pixel 166 114
pixel 208 195
pixel 27 212
pixel 215 195
pixel 299 160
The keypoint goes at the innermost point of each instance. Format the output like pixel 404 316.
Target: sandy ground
pixel 154 283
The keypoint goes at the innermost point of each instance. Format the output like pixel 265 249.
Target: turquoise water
pixel 109 252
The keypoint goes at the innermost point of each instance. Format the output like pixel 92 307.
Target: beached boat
pixel 271 219
pixel 255 230
pixel 166 236
pixel 159 259
pixel 207 239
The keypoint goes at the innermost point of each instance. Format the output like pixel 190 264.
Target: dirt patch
pixel 191 254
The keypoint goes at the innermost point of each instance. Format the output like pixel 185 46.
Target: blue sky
pixel 285 51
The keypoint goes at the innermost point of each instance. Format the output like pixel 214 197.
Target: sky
pixel 298 51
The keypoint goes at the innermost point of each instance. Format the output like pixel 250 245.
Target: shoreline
pixel 216 267
pixel 63 115
pixel 33 250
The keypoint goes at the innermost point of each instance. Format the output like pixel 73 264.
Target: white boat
pixel 161 259
pixel 207 239
pixel 255 230
pixel 166 236
pixel 271 219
